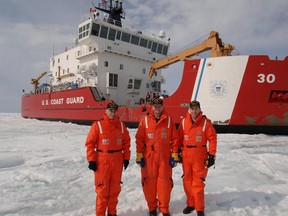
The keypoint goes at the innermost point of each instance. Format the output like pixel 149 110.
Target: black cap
pixel 157 101
pixel 112 105
pixel 194 103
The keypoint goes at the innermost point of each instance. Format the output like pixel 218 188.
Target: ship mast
pixel 115 11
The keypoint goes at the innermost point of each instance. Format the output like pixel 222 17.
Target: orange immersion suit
pixel 157 141
pixel 108 144
pixel 193 142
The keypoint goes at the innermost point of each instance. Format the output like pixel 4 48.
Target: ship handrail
pixel 124 110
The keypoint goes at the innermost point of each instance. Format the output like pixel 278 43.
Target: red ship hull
pixel 256 102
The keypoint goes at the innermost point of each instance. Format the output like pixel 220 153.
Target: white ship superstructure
pixel 113 59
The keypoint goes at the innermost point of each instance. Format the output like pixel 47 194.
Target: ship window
pixel 135 40
pixel 156 85
pixel 147 85
pixel 83 28
pixel 121 66
pixel 112 34
pixel 106 64
pixel 87 26
pixel 125 37
pixel 143 42
pixel 154 47
pixel 144 71
pixel 80 36
pixel 165 50
pixel 149 44
pixel 134 83
pixel 95 29
pixel 118 36
pixel 58 60
pixel 159 49
pixel 137 83
pixel 104 32
pixel 130 84
pixel 113 80
pixel 67 57
pixel 53 63
pixel 80 29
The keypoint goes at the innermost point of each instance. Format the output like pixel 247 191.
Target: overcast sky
pixel 30 29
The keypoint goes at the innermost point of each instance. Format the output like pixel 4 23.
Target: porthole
pixel 210 65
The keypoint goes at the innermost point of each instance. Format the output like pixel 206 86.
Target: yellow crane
pixel 213 43
pixel 35 81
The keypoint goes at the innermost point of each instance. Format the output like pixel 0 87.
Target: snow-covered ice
pixel 43 171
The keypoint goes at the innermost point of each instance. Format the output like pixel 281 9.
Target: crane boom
pixel 213 43
pixel 35 81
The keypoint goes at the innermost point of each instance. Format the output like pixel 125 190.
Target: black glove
pixel 180 155
pixel 126 163
pixel 210 160
pixel 92 166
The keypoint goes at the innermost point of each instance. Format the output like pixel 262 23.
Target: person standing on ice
pixel 108 150
pixel 194 133
pixel 157 153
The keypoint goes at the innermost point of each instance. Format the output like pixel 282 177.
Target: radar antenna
pixel 116 12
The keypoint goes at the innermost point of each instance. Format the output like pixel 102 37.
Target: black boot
pixel 188 210
pixel 111 215
pixel 200 213
pixel 153 213
pixel 165 214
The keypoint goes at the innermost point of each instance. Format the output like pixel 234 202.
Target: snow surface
pixel 43 171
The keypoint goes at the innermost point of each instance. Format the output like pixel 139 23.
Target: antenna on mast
pixel 116 11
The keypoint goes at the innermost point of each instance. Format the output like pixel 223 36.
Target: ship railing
pixel 86 52
pixel 113 22
pixel 128 53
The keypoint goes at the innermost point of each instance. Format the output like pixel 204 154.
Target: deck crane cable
pixel 191 44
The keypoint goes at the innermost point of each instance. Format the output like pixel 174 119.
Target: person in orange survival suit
pixel 194 132
pixel 157 153
pixel 108 149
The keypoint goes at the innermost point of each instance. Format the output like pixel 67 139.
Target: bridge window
pixel 104 32
pixel 149 44
pixel 135 40
pixel 154 47
pixel 125 37
pixel 143 42
pixel 95 29
pixel 112 34
pixel 118 36
pixel 165 50
pixel 159 49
